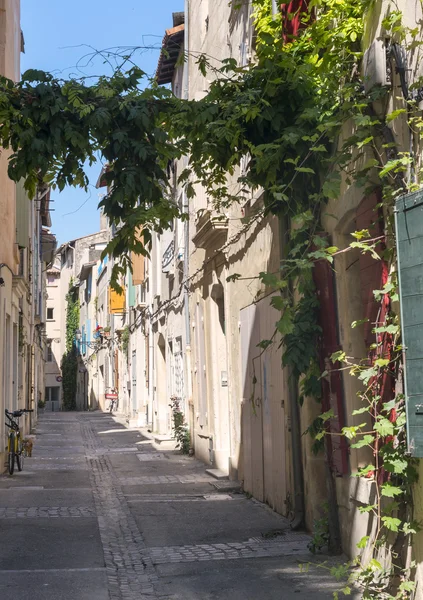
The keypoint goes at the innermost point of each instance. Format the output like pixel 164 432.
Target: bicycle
pixel 14 440
pixel 112 405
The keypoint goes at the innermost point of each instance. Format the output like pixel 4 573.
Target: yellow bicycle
pixel 14 440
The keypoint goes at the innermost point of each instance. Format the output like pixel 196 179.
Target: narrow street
pixel 98 513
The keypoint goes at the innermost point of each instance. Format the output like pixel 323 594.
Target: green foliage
pixel 69 367
pixel 72 315
pixel 179 426
pixel 285 113
pixel 69 364
pixel 320 536
pixel 288 113
pixel 124 340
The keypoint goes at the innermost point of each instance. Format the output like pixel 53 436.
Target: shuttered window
pixel 332 388
pixel 116 301
pixel 409 228
pixel 373 272
pixel 138 262
pixel 23 211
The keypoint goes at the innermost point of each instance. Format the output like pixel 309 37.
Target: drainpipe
pixel 186 49
pixel 294 410
pixel 186 303
pixel 186 223
pixel 150 416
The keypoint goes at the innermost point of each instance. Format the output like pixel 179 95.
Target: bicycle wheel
pixel 11 454
pixel 19 455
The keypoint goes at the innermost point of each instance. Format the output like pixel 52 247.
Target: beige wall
pixel 10 46
pixel 339 222
pixel 54 330
pixel 258 250
pixel 227 428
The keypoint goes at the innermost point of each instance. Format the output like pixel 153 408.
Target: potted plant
pixel 98 331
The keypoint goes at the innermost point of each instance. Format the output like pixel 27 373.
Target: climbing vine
pixel 69 363
pixel 124 340
pixel 302 119
pixel 180 427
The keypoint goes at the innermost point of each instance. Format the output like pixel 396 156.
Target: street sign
pixel 59 378
pixel 111 396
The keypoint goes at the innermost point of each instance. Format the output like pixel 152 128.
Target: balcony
pixel 168 256
pixel 212 230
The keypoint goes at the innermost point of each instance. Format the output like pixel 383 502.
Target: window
pixel 21 262
pixel 49 353
pixel 221 313
pixel 87 288
pixel 52 394
pixel 50 313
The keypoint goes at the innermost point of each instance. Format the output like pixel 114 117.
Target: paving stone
pixel 149 527
pixel 129 579
pixel 48 512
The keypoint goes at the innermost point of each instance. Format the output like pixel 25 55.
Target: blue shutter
pixel 409 228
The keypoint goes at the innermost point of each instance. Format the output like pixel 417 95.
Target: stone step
pixel 217 474
pixel 223 486
pixel 162 439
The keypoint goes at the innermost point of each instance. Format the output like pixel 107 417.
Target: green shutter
pixel 409 228
pixel 23 209
pixel 131 291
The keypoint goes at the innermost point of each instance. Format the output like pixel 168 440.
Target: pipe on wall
pixel 294 411
pixel 187 361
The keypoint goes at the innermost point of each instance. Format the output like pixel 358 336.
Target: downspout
pixel 294 407
pixel 151 395
pixel 294 410
pixel 188 393
pixel 112 330
pixel 186 304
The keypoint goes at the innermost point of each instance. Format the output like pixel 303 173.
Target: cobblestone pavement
pixel 100 514
pixel 46 512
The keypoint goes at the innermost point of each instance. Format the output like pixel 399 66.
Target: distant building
pixel 54 335
pixel 78 262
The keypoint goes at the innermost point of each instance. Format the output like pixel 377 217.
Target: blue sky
pixel 57 33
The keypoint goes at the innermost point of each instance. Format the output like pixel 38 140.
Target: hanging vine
pixel 69 364
pixel 303 117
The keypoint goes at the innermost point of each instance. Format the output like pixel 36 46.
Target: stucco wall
pixel 10 47
pixel 221 31
pixel 54 331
